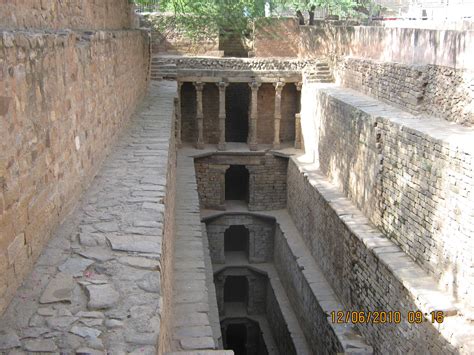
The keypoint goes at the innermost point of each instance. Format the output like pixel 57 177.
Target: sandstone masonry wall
pixel 443 92
pixel 73 14
pixel 64 97
pixel 261 235
pixel 172 41
pixel 414 46
pixel 274 37
pixel 410 177
pixel 267 180
pixel 354 259
pixel 169 231
pixel 312 317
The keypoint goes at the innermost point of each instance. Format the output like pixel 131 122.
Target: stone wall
pixel 267 180
pixel 72 14
pixel 169 231
pixel 402 45
pixel 355 264
pixel 168 39
pixel 312 317
pixel 420 89
pixel 261 233
pixel 276 37
pixel 278 324
pixel 410 177
pixel 257 289
pixel 64 98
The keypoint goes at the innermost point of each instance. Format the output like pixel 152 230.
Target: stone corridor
pixel 97 284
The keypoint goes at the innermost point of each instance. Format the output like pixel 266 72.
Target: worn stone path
pixel 97 284
pixel 192 328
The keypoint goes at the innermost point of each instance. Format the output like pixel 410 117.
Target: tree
pixel 343 8
pixel 200 17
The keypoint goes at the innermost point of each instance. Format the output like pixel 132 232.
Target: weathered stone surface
pixel 40 345
pixel 75 266
pixel 86 332
pixel 102 296
pixel 151 282
pixel 145 350
pixel 197 343
pixel 59 289
pixel 138 262
pixel 136 243
pixel 8 339
pixel 99 254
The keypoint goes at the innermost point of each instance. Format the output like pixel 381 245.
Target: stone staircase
pixel 163 68
pixel 320 73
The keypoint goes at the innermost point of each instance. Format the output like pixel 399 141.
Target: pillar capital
pixel 279 86
pixel 222 85
pixel 199 85
pixel 254 85
pixel 299 85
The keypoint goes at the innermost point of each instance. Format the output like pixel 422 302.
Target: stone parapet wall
pixel 443 92
pixel 169 234
pixel 366 271
pixel 410 177
pixel 64 97
pixel 73 14
pixel 402 45
pixel 311 297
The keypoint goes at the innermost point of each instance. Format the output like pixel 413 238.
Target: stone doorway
pixel 236 338
pixel 236 290
pixel 237 183
pixel 236 242
pixel 237 100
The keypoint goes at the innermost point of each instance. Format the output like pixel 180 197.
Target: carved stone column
pixel 298 139
pixel 222 116
pixel 252 140
pixel 178 116
pixel 276 132
pixel 199 115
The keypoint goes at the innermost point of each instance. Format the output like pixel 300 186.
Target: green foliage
pixel 343 8
pixel 198 17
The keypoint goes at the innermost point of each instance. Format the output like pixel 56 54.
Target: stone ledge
pixel 422 288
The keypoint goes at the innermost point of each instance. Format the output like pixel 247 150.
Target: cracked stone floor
pixel 97 284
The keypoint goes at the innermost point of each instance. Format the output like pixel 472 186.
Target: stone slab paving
pixel 96 287
pixel 192 327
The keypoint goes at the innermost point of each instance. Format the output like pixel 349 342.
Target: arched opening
pixel 237 183
pixel 236 290
pixel 236 338
pixel 237 99
pixel 236 242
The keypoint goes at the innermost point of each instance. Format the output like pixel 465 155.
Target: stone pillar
pixel 199 115
pixel 222 85
pixel 276 131
pixel 252 140
pixel 298 139
pixel 178 116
